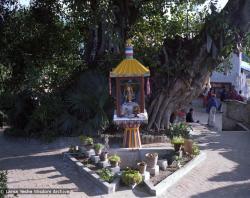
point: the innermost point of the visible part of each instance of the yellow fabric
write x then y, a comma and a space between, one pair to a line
130, 67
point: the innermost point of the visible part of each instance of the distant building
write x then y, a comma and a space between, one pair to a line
237, 76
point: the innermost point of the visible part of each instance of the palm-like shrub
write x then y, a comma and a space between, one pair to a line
88, 102
77, 110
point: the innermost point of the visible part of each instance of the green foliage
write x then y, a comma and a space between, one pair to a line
98, 146
177, 158
195, 149
114, 158
131, 177
177, 140
89, 140
3, 183
82, 138
89, 101
49, 115
106, 175
180, 129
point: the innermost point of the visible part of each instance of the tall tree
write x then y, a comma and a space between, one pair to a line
194, 59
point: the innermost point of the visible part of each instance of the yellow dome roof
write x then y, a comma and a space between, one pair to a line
130, 67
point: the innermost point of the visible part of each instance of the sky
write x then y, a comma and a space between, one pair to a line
222, 3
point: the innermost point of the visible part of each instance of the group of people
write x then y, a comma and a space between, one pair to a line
211, 102
214, 104
181, 115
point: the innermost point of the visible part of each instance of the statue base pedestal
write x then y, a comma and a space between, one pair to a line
131, 138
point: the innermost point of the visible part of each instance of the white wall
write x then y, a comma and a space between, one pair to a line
234, 76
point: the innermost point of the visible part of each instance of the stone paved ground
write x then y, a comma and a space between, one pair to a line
225, 172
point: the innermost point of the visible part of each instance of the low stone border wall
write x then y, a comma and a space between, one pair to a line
86, 172
176, 176
149, 139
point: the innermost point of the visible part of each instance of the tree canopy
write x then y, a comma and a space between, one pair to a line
49, 46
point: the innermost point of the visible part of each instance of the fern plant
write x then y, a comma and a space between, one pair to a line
89, 100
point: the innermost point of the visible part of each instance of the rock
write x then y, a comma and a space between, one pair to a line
103, 164
115, 170
146, 176
154, 171
89, 153
95, 159
163, 164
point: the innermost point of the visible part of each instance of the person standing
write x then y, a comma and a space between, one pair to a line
189, 116
205, 95
211, 109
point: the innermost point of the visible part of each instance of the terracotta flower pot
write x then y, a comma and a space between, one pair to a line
151, 159
142, 166
188, 145
104, 156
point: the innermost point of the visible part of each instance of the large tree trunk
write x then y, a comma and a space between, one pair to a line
193, 61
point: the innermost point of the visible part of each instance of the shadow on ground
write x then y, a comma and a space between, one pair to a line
29, 154
234, 146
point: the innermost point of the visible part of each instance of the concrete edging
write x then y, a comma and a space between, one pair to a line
176, 176
86, 172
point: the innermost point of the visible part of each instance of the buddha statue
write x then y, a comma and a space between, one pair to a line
129, 108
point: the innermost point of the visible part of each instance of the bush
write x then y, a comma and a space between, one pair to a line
131, 177
180, 129
106, 175
195, 149
114, 158
89, 140
98, 146
72, 110
177, 140
82, 138
3, 183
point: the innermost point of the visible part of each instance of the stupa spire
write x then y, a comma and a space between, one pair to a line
129, 49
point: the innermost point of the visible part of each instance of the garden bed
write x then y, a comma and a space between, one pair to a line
160, 183
90, 171
170, 170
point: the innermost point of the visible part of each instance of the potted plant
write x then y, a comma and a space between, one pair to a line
106, 174
151, 159
131, 177
195, 149
181, 129
114, 160
98, 148
177, 141
82, 139
89, 143
142, 166
104, 156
